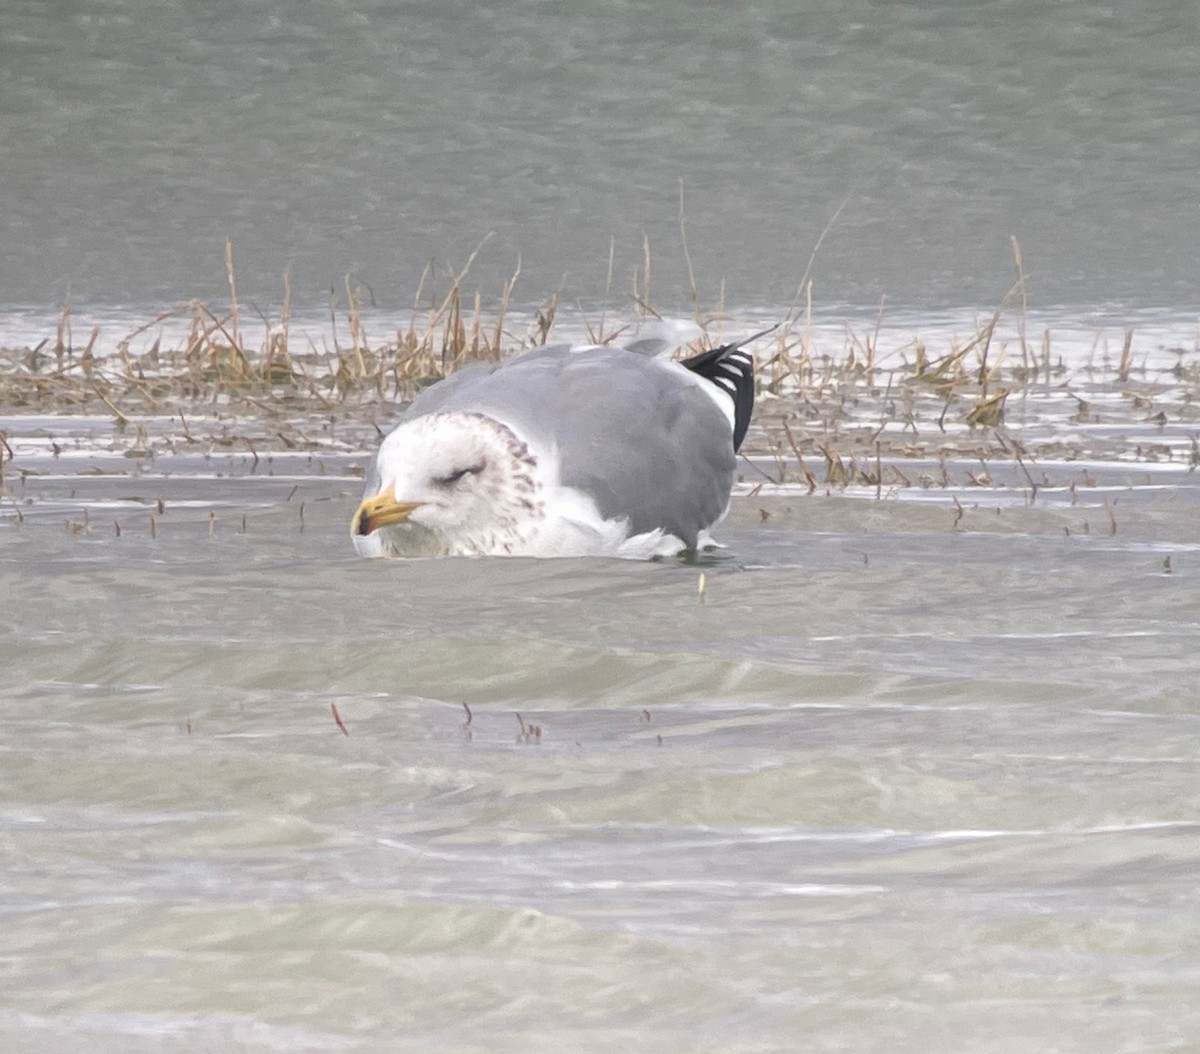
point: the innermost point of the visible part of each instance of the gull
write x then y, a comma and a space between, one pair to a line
563, 451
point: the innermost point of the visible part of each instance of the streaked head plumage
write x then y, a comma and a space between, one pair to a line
450, 482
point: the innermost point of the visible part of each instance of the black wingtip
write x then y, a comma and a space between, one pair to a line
731, 370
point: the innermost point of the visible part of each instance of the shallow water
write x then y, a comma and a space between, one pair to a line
913, 776
918, 774
366, 138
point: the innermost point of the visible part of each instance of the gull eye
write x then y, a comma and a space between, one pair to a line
454, 477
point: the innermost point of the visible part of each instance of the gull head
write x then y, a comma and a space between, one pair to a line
450, 483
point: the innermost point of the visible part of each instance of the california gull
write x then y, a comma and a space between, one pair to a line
562, 452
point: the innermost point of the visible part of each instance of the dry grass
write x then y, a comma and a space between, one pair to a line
218, 364
832, 414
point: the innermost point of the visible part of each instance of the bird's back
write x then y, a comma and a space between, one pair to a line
641, 437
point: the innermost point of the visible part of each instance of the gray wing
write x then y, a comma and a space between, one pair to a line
463, 383
641, 437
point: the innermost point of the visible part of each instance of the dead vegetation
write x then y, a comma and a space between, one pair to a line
859, 409
219, 364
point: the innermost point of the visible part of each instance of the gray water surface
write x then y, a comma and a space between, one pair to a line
366, 138
911, 777
920, 772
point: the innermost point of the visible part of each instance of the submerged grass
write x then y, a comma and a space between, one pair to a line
832, 412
